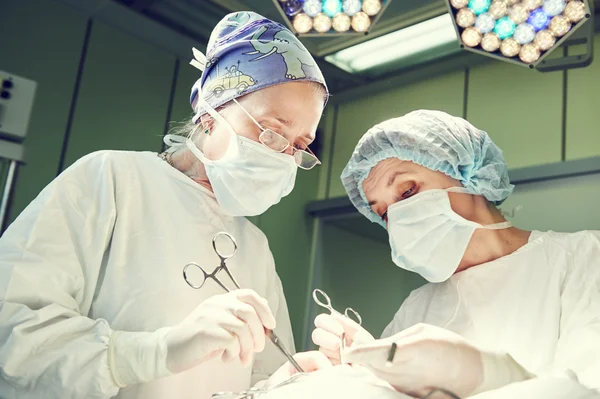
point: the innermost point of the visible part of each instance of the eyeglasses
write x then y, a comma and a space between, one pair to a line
305, 159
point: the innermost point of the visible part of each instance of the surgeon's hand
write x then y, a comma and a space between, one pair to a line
229, 326
430, 357
309, 361
328, 334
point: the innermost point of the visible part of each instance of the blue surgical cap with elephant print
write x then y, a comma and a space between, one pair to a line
247, 52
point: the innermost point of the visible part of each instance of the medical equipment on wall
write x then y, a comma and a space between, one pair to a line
223, 266
16, 101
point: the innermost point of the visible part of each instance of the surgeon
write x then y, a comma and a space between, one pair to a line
502, 305
92, 299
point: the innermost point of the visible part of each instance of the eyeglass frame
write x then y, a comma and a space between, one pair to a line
289, 145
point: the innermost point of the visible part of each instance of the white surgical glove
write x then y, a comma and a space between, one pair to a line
309, 361
230, 326
328, 334
430, 357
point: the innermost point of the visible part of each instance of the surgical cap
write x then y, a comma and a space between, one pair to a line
247, 52
437, 141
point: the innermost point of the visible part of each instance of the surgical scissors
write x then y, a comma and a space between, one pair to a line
326, 303
223, 266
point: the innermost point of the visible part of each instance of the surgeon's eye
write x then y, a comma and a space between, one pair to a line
409, 193
384, 216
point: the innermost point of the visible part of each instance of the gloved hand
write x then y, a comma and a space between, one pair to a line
328, 334
429, 357
309, 361
230, 326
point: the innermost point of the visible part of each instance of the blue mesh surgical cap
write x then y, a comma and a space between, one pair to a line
247, 52
437, 141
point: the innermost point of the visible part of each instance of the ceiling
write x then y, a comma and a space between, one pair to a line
196, 18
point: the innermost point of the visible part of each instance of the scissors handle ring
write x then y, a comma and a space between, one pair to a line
214, 244
325, 302
185, 277
349, 312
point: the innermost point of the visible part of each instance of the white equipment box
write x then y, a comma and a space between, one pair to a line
16, 101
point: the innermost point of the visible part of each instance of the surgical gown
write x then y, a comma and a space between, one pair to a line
541, 304
102, 248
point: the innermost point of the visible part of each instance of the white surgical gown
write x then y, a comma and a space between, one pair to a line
102, 248
540, 304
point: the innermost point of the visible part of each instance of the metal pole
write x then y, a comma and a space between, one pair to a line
7, 190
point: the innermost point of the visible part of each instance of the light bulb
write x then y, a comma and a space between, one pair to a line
518, 13
498, 9
341, 22
505, 27
458, 4
529, 53
559, 25
544, 39
575, 11
471, 37
302, 23
554, 7
485, 23
532, 4
524, 33
332, 7
312, 7
321, 23
351, 7
465, 18
538, 19
479, 6
490, 42
510, 47
361, 22
371, 7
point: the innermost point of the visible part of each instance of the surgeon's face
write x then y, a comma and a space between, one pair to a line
291, 109
394, 180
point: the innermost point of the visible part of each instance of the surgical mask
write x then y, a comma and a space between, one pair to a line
427, 237
249, 178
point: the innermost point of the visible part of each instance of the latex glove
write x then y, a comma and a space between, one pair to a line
309, 361
430, 357
229, 326
328, 334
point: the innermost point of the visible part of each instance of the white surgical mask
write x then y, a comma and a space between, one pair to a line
249, 178
427, 237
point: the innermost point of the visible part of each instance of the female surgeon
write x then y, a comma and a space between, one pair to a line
92, 299
503, 305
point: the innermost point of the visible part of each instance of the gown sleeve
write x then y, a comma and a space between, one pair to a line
578, 348
50, 260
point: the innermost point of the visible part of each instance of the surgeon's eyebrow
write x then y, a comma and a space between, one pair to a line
391, 180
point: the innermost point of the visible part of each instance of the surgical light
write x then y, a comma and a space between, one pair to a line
522, 31
332, 17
